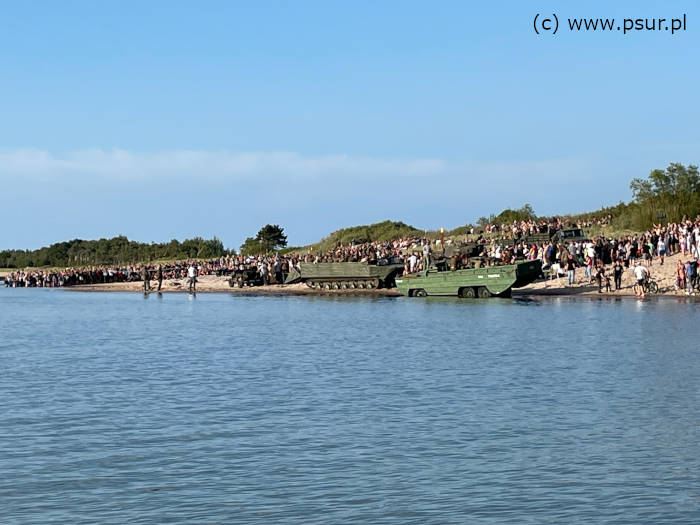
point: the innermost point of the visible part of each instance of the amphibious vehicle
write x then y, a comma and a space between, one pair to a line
481, 282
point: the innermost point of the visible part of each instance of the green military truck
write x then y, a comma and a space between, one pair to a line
558, 236
345, 275
472, 282
570, 234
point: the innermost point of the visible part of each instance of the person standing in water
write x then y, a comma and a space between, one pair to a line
146, 279
192, 275
159, 276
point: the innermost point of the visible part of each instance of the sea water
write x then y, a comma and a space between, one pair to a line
120, 408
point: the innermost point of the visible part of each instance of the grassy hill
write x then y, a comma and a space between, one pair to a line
380, 231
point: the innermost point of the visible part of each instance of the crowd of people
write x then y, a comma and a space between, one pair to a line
177, 270
524, 228
268, 269
602, 259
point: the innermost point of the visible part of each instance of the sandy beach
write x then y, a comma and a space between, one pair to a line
213, 284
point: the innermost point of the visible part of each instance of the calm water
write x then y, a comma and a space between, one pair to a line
225, 409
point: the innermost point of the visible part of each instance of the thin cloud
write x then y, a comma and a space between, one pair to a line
476, 187
233, 166
123, 164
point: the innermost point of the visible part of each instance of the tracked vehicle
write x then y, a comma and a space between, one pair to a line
471, 282
345, 275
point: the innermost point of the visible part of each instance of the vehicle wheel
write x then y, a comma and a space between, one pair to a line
653, 287
353, 284
420, 293
326, 286
335, 286
467, 292
484, 292
361, 284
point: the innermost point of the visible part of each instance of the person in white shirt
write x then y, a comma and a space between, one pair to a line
590, 250
412, 260
661, 249
192, 278
640, 273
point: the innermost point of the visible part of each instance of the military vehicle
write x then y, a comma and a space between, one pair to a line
535, 238
470, 249
570, 234
472, 282
565, 235
245, 277
345, 275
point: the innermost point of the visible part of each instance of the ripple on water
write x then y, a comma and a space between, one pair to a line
327, 410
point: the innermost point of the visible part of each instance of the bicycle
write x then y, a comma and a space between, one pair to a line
650, 286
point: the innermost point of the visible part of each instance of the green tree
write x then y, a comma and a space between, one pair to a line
668, 194
525, 213
271, 237
251, 246
110, 251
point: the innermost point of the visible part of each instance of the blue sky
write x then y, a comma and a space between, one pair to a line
163, 120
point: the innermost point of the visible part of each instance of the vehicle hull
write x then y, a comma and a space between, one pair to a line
345, 275
473, 282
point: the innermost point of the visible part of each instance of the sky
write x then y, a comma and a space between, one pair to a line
162, 120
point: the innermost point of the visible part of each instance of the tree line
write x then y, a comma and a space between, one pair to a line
666, 195
117, 250
120, 250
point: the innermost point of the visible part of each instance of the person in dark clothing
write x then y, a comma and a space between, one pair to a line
571, 271
159, 276
146, 279
264, 271
277, 267
617, 273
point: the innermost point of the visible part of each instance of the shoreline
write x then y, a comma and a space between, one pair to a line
271, 290
535, 290
663, 274
278, 291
